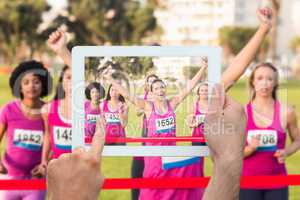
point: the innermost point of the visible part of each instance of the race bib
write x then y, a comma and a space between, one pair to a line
28, 139
112, 118
62, 137
164, 125
175, 162
92, 118
268, 139
200, 118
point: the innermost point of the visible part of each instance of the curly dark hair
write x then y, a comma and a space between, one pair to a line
30, 67
96, 85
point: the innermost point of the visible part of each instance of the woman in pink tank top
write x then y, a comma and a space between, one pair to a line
58, 119
161, 122
57, 113
137, 167
94, 92
267, 119
160, 107
22, 122
115, 115
196, 117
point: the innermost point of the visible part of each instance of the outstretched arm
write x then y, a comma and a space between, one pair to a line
190, 85
57, 41
123, 111
247, 54
140, 103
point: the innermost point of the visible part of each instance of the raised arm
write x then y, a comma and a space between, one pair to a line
123, 111
46, 142
247, 54
57, 41
190, 85
190, 118
140, 103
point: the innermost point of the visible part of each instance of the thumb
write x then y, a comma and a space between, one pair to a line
217, 99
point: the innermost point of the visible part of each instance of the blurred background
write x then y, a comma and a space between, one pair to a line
26, 24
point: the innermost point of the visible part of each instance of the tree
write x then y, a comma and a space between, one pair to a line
295, 64
295, 44
190, 71
19, 21
129, 66
118, 22
235, 38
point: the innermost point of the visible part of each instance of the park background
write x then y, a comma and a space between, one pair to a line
25, 26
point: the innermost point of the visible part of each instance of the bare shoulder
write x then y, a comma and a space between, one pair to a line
291, 114
45, 108
148, 105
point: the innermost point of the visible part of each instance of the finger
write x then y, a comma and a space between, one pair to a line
279, 159
79, 150
277, 153
204, 60
217, 99
60, 31
51, 37
34, 170
98, 141
51, 166
57, 34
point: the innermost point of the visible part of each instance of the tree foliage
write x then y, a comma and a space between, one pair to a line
19, 22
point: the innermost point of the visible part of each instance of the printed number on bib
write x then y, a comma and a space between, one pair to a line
92, 118
28, 139
62, 137
164, 125
268, 139
112, 118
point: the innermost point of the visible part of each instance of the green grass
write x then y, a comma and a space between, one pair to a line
120, 167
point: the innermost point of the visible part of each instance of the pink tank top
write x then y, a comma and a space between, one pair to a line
113, 127
91, 117
164, 125
161, 125
199, 130
60, 132
262, 162
24, 138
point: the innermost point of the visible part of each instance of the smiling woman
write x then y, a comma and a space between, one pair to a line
22, 122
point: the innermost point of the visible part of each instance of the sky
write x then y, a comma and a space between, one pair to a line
57, 4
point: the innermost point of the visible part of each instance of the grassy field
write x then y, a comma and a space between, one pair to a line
120, 167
